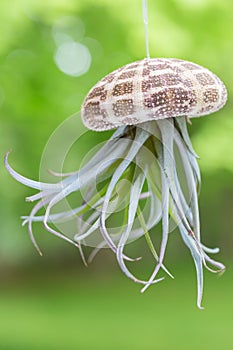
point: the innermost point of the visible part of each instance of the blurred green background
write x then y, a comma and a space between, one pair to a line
54, 302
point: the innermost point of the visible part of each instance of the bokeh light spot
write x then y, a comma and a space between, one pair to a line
73, 58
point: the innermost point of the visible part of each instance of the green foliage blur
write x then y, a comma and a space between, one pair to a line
54, 302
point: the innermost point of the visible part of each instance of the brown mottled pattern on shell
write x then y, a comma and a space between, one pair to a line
127, 75
98, 92
211, 95
205, 79
152, 89
123, 88
123, 108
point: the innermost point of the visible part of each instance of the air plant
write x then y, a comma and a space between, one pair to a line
149, 103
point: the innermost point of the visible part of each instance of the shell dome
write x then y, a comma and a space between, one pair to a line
151, 89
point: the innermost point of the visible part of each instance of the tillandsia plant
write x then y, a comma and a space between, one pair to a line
149, 103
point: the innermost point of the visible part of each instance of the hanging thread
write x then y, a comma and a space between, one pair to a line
145, 20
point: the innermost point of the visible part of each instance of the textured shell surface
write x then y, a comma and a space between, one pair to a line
151, 89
